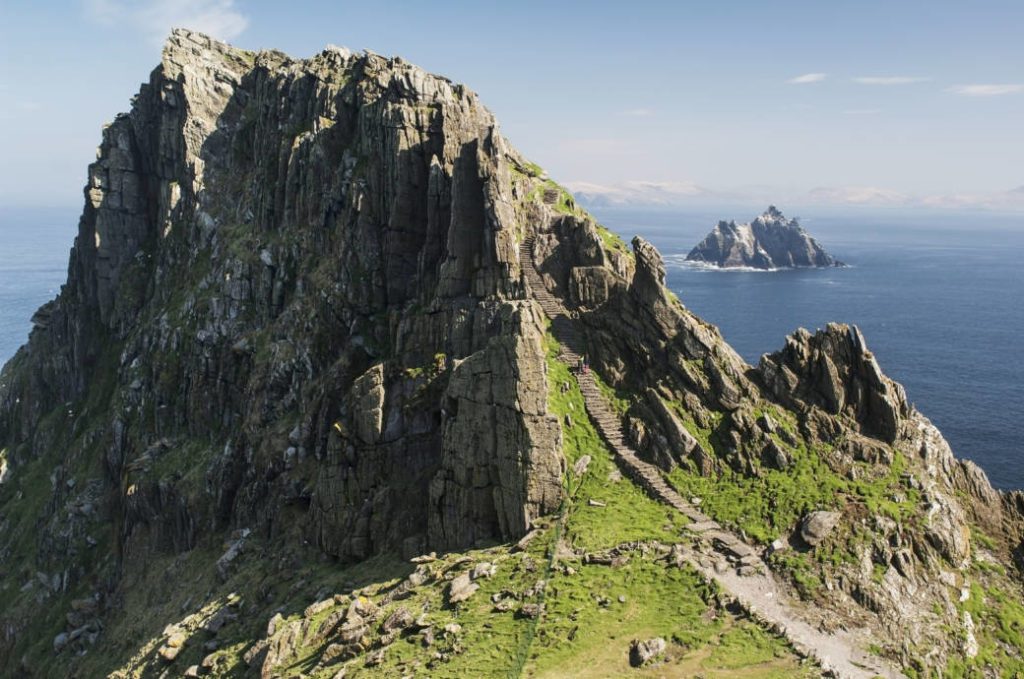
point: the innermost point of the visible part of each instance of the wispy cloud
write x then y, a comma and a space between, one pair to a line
991, 90
639, 112
687, 193
889, 80
637, 192
807, 78
855, 195
155, 18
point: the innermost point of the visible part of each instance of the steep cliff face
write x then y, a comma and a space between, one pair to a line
296, 343
769, 242
295, 288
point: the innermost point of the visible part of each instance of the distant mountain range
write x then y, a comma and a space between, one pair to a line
677, 194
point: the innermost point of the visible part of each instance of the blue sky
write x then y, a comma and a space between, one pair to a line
889, 103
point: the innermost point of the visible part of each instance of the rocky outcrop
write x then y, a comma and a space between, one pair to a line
501, 462
645, 652
817, 526
834, 370
769, 242
300, 278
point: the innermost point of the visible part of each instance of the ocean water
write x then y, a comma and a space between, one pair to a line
34, 248
940, 299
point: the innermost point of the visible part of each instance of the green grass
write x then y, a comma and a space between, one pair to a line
630, 513
430, 370
673, 603
564, 202
767, 504
183, 463
998, 614
612, 241
746, 645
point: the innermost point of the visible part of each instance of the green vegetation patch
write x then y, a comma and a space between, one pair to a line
997, 612
595, 611
628, 513
767, 504
612, 241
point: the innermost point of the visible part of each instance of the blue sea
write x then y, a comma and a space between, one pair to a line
939, 297
34, 249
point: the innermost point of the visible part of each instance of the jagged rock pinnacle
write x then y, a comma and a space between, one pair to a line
769, 242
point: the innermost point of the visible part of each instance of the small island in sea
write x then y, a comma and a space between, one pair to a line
769, 242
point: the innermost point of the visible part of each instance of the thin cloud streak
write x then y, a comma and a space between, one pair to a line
889, 80
155, 18
989, 90
687, 193
807, 78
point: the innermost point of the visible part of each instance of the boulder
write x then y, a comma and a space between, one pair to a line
60, 641
483, 570
644, 652
817, 526
531, 611
461, 588
399, 620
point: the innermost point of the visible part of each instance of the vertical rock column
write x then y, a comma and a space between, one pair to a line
501, 463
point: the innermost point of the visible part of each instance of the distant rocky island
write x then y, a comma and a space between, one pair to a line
769, 242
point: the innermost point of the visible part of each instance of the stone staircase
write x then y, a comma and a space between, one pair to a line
608, 422
718, 553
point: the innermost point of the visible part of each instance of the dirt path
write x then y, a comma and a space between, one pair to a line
720, 555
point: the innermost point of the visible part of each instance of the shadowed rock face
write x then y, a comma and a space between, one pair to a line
311, 265
769, 242
295, 316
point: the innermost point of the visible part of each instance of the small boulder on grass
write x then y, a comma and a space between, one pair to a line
644, 652
531, 611
817, 526
461, 588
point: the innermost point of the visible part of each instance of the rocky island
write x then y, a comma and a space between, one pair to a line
308, 405
769, 242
